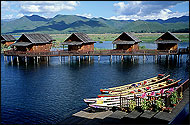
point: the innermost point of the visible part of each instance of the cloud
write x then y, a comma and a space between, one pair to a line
47, 6
19, 15
87, 15
8, 16
143, 8
146, 10
163, 14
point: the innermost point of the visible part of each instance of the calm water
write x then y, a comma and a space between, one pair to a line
48, 93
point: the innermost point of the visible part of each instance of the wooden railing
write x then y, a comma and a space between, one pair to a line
78, 53
179, 90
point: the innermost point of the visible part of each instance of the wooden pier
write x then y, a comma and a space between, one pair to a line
178, 114
156, 54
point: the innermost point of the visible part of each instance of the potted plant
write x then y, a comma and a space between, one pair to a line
159, 104
132, 105
146, 104
174, 98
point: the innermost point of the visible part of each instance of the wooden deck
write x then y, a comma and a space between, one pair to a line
178, 114
91, 53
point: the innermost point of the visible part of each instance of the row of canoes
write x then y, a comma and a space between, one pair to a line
111, 97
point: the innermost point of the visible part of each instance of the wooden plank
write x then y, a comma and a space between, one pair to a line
133, 115
148, 114
118, 115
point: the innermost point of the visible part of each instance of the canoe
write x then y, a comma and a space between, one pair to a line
142, 89
106, 104
159, 78
116, 98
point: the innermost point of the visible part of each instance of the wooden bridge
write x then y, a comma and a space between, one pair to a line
121, 53
91, 53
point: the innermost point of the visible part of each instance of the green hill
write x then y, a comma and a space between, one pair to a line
73, 23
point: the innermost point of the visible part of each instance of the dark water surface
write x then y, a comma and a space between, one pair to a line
48, 93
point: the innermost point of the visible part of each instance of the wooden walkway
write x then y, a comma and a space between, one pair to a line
177, 115
93, 53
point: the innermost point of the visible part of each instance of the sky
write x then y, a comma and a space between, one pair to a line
119, 10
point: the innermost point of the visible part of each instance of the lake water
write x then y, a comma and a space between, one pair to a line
48, 93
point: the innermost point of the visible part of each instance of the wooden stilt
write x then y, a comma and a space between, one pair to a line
110, 58
99, 58
25, 59
69, 58
11, 59
37, 59
89, 58
122, 58
17, 59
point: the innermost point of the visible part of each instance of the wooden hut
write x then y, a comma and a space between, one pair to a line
79, 42
127, 41
7, 40
34, 42
167, 41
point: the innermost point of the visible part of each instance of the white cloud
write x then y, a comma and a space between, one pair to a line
8, 16
19, 15
163, 14
146, 10
87, 15
47, 6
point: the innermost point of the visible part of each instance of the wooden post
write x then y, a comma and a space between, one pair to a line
122, 57
11, 59
25, 59
37, 59
89, 58
5, 58
59, 58
79, 59
34, 59
99, 58
47, 59
110, 58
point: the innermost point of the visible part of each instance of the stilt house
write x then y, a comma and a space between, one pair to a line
167, 41
79, 42
34, 42
7, 40
127, 41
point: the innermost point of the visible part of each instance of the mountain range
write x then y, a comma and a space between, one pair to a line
73, 23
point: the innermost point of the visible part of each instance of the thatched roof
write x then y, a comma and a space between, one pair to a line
33, 38
126, 38
77, 39
7, 38
167, 37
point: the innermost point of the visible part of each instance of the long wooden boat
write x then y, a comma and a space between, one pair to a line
159, 78
142, 89
109, 102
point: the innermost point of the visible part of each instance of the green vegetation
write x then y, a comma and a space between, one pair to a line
174, 98
132, 105
66, 24
159, 104
146, 104
142, 47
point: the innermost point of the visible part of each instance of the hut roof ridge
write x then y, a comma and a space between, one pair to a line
39, 37
83, 37
131, 35
167, 40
